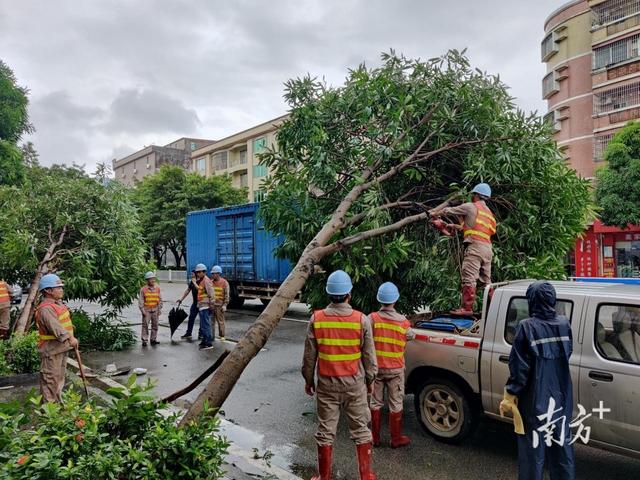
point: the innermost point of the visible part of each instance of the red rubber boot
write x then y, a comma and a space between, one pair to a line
376, 421
364, 461
325, 461
468, 297
395, 425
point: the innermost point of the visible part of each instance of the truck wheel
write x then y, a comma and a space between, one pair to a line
445, 411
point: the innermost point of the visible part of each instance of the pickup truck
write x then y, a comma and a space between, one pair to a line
458, 376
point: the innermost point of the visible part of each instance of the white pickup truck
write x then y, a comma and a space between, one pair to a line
456, 377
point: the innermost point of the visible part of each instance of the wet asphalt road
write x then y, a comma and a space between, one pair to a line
272, 412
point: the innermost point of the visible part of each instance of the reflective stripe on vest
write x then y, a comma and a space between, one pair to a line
390, 339
218, 290
4, 293
151, 299
485, 226
64, 318
202, 290
339, 340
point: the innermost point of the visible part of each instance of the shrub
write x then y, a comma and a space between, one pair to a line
101, 332
20, 354
77, 440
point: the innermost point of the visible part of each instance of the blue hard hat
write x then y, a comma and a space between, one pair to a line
388, 293
201, 267
149, 275
339, 283
483, 189
216, 269
50, 280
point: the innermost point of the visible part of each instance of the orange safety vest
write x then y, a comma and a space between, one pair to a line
151, 297
339, 340
485, 226
4, 293
218, 289
390, 339
64, 317
202, 291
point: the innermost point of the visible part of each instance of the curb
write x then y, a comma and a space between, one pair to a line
237, 457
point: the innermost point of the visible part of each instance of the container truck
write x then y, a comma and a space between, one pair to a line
235, 238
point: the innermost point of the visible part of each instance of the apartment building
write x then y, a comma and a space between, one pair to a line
238, 156
147, 161
592, 88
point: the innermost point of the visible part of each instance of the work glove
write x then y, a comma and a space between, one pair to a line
224, 308
509, 404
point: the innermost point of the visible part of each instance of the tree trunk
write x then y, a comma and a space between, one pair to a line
176, 255
225, 378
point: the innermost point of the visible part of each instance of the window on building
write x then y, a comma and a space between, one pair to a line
219, 160
193, 146
259, 145
243, 157
259, 195
600, 143
244, 180
550, 85
616, 98
616, 52
201, 164
259, 171
617, 335
548, 47
613, 11
519, 310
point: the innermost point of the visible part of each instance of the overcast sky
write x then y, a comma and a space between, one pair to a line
108, 77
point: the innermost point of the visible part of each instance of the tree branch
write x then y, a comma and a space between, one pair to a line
388, 206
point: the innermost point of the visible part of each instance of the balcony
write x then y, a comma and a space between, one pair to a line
600, 143
617, 53
614, 13
616, 99
550, 85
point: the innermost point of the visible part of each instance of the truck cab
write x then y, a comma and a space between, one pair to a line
457, 377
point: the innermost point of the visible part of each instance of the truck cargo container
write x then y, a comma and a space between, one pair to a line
235, 238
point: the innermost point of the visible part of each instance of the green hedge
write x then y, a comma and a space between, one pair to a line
20, 354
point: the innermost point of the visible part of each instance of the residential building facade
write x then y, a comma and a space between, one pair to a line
592, 88
147, 161
238, 155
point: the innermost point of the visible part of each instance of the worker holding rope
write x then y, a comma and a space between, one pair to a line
478, 227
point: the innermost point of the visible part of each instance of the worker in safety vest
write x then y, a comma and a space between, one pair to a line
150, 303
206, 296
5, 307
55, 337
479, 226
221, 299
391, 331
340, 345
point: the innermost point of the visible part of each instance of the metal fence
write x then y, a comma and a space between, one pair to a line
612, 11
600, 143
616, 98
170, 276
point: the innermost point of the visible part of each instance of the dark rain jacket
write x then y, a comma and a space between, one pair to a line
539, 359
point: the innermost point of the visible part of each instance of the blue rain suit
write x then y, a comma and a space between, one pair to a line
539, 371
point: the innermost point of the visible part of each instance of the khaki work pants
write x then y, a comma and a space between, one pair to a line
151, 316
354, 404
4, 317
394, 382
218, 317
476, 265
52, 369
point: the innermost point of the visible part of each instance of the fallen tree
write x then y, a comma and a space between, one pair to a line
357, 167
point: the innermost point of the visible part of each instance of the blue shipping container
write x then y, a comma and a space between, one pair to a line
235, 239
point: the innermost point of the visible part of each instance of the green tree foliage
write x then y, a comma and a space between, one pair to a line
164, 199
63, 220
14, 122
463, 127
618, 183
129, 438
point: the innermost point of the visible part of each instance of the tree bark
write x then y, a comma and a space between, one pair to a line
23, 322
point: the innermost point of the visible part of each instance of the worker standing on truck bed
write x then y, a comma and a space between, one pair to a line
221, 299
539, 387
5, 308
391, 331
150, 304
55, 337
340, 343
478, 228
